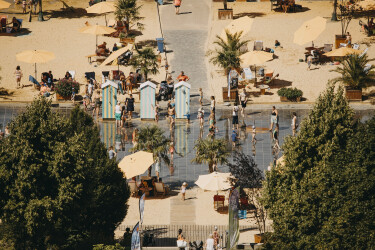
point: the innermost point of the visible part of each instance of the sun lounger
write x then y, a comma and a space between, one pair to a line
160, 188
364, 52
35, 82
355, 46
258, 45
327, 47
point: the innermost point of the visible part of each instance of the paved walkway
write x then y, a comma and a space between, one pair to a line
182, 212
185, 36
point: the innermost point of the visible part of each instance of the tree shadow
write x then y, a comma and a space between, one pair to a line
70, 13
147, 43
5, 94
187, 12
249, 14
297, 10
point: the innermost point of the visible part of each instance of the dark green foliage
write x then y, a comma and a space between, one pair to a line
212, 152
146, 60
355, 73
290, 93
227, 56
58, 187
64, 87
323, 195
129, 10
108, 247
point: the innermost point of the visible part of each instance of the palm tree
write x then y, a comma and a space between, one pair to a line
211, 151
152, 139
129, 11
354, 72
146, 60
228, 54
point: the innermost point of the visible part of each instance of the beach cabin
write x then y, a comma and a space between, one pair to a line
109, 97
182, 99
147, 100
108, 133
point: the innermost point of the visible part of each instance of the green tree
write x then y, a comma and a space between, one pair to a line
355, 73
152, 139
128, 10
57, 184
227, 55
212, 152
314, 198
146, 60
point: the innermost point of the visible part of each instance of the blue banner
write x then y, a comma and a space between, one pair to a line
142, 207
136, 239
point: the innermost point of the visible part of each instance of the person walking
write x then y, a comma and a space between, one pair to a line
210, 243
18, 74
294, 123
183, 190
181, 241
254, 133
118, 115
234, 138
274, 117
111, 153
96, 98
201, 116
177, 5
243, 100
213, 104
235, 115
309, 62
275, 135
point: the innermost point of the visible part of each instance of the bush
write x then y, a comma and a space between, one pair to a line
290, 93
64, 87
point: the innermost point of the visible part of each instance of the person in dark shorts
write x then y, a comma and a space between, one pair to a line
243, 100
177, 4
235, 115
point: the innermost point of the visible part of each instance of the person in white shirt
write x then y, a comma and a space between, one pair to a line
210, 243
235, 115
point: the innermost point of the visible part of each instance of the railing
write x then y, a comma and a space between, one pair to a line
166, 235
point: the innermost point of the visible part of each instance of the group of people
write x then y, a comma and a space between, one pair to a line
14, 24
212, 242
30, 4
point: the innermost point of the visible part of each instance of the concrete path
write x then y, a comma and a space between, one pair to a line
185, 36
182, 212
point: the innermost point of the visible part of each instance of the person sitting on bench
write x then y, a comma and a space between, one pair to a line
16, 25
102, 50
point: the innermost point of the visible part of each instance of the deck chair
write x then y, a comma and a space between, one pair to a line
20, 20
219, 201
35, 82
355, 46
327, 47
258, 45
248, 73
72, 73
367, 67
244, 49
160, 188
133, 188
364, 52
3, 23
343, 45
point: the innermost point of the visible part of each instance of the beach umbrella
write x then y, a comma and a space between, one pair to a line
255, 58
214, 181
116, 54
97, 30
4, 5
35, 56
136, 164
240, 24
310, 30
343, 51
102, 8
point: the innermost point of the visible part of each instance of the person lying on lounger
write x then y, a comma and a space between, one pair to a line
102, 49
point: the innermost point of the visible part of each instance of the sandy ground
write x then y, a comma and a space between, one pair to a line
269, 26
61, 35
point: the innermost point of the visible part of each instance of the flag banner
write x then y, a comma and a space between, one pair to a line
136, 239
142, 207
233, 232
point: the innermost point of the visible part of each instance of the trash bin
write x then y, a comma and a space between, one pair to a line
161, 2
160, 42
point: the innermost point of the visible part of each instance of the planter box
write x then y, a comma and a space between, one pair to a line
225, 14
258, 238
233, 95
339, 39
354, 94
63, 98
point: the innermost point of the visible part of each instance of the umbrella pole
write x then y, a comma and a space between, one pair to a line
105, 18
255, 73
35, 71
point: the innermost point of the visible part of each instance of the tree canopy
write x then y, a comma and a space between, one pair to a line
58, 188
322, 197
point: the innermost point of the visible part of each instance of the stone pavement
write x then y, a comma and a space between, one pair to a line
185, 36
182, 212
